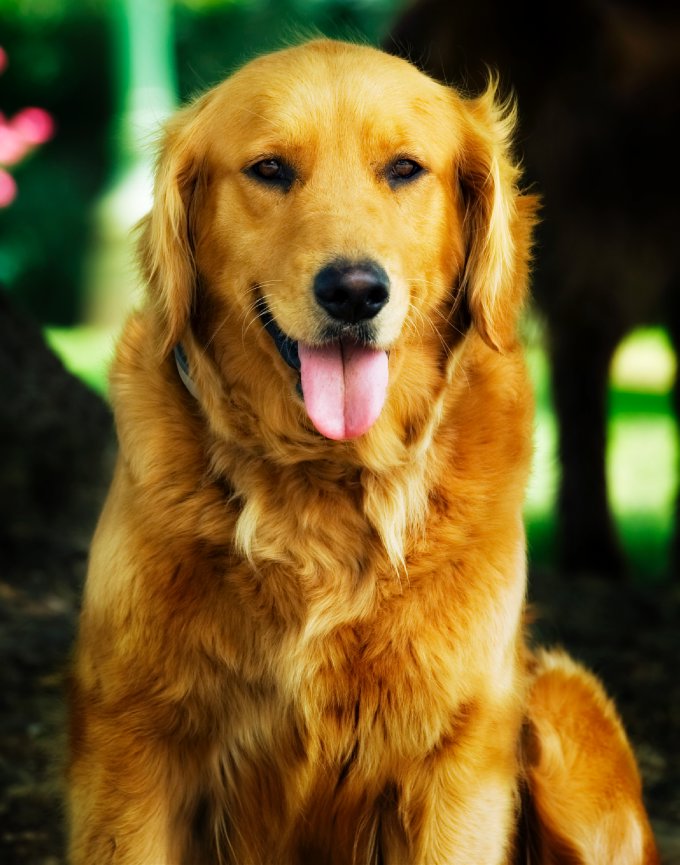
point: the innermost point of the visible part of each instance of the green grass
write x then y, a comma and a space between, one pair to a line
642, 449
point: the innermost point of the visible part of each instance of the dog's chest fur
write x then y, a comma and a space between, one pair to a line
317, 718
337, 660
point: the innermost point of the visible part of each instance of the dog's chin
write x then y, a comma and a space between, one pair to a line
343, 380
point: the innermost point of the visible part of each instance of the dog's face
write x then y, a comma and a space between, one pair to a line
339, 205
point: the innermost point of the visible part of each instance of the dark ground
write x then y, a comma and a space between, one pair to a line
57, 446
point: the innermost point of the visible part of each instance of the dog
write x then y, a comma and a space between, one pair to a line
302, 638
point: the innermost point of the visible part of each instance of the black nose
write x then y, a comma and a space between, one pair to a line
352, 292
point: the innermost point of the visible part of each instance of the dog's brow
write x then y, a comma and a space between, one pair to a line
267, 118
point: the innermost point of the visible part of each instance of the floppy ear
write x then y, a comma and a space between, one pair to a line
165, 247
498, 220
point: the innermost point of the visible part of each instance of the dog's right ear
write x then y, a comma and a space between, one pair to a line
165, 247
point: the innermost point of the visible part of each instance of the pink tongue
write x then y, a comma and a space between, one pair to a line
344, 387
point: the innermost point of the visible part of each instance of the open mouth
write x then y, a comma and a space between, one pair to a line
343, 382
287, 347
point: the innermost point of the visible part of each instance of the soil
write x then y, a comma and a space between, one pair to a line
57, 444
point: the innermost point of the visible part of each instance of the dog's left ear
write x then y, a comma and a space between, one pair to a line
498, 220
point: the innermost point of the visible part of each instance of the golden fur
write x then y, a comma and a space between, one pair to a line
299, 650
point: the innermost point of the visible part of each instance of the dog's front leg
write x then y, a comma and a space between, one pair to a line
129, 800
452, 813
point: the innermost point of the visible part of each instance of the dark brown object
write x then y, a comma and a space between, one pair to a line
56, 448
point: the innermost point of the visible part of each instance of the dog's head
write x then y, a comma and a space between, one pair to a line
330, 208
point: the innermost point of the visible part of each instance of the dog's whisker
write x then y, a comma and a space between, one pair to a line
213, 336
252, 317
425, 320
259, 285
255, 312
421, 323
447, 318
420, 280
447, 321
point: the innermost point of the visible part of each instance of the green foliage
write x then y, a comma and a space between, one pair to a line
63, 66
229, 34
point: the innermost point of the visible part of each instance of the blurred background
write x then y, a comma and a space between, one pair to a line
106, 74
85, 86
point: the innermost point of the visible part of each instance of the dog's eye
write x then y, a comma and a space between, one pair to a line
272, 171
268, 169
402, 170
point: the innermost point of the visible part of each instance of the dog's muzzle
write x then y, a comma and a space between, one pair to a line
343, 381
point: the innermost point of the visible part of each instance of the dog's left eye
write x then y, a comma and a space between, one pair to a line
402, 170
272, 171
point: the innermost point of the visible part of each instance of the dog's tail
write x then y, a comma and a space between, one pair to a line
583, 797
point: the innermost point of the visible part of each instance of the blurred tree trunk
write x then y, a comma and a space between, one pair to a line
146, 82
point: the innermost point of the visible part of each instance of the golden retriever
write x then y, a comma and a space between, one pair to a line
302, 636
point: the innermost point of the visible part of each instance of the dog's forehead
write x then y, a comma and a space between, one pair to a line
325, 88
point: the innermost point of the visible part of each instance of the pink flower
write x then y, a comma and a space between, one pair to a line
29, 128
34, 125
26, 130
8, 188
13, 148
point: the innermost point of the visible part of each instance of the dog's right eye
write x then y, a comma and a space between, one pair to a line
402, 171
273, 172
